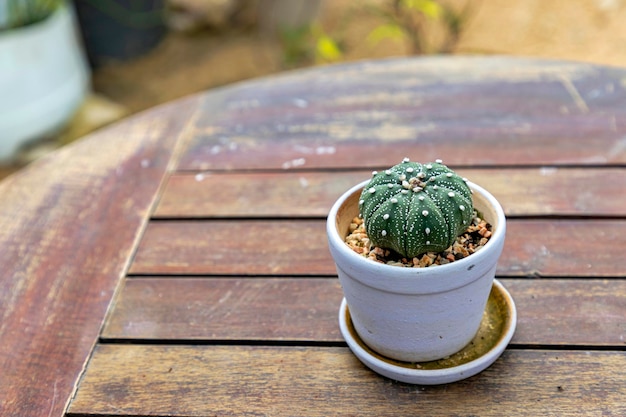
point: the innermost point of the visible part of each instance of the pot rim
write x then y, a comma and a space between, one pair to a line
434, 278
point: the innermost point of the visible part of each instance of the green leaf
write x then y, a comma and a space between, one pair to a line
430, 8
388, 31
327, 49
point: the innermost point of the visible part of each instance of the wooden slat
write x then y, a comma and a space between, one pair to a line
68, 224
269, 247
551, 312
241, 247
226, 309
133, 380
554, 191
512, 111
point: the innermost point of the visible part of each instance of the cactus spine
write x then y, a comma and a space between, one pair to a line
415, 208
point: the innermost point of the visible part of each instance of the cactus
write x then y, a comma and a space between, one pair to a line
415, 208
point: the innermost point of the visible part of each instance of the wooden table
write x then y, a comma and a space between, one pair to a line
175, 264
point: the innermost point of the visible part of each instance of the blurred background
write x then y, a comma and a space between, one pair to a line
68, 67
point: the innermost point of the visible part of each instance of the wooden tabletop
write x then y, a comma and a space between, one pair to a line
175, 264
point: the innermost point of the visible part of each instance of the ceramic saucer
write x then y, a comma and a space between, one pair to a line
495, 333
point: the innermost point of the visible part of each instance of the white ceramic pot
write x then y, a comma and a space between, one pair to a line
415, 314
43, 79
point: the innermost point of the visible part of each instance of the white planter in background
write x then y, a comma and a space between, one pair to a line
415, 314
43, 79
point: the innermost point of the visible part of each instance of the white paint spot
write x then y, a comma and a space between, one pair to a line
145, 163
299, 102
199, 177
547, 171
293, 163
304, 183
325, 150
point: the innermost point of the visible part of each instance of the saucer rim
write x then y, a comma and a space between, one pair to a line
434, 376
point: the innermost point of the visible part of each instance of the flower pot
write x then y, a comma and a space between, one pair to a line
415, 314
43, 79
119, 30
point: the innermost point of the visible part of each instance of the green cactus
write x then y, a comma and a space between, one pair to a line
415, 208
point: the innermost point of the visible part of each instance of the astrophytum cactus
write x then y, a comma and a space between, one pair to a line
415, 208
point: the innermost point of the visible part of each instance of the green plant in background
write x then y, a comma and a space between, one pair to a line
16, 13
427, 26
415, 208
308, 44
414, 20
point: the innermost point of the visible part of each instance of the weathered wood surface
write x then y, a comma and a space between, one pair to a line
279, 247
554, 191
321, 381
68, 224
561, 312
511, 111
237, 311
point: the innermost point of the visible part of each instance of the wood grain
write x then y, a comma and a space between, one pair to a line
279, 247
511, 111
68, 224
135, 380
557, 312
554, 191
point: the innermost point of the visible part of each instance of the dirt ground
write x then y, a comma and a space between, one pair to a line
581, 30
182, 64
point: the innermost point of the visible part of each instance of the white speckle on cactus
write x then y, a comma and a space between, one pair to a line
404, 191
409, 170
449, 175
406, 184
439, 161
451, 194
386, 216
429, 166
405, 160
374, 173
421, 198
417, 189
384, 233
388, 172
428, 242
390, 185
402, 177
427, 231
372, 190
435, 187
425, 213
361, 202
462, 207
394, 200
